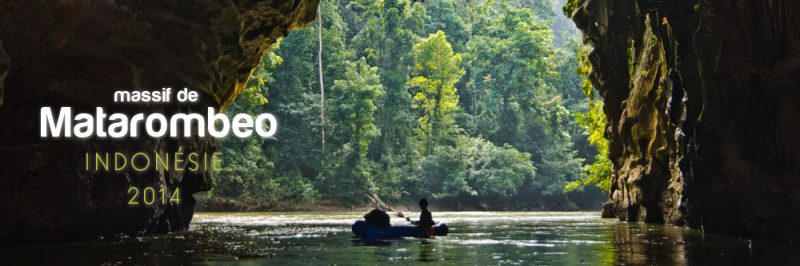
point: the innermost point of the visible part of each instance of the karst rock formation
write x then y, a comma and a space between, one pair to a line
703, 106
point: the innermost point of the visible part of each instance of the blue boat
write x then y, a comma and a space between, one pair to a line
366, 231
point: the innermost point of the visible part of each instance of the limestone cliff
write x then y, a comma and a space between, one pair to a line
76, 53
703, 103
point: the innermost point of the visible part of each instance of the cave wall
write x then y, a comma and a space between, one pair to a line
77, 53
703, 106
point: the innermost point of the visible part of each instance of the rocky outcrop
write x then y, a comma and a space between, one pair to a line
703, 106
77, 53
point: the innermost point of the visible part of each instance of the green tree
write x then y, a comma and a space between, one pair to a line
436, 70
247, 174
474, 170
593, 122
352, 109
516, 38
353, 104
519, 98
390, 29
444, 17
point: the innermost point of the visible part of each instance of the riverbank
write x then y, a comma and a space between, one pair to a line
228, 204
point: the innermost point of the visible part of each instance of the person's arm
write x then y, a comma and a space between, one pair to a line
411, 221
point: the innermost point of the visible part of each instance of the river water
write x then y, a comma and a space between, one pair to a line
476, 238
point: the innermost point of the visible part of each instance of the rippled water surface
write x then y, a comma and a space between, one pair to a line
550, 238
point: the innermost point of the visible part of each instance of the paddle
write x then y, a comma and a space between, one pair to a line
401, 215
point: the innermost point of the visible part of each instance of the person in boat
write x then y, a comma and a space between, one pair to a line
425, 218
378, 218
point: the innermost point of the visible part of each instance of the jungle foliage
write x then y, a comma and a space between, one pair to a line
473, 104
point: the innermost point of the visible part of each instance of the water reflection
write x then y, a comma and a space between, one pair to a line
641, 244
484, 238
431, 251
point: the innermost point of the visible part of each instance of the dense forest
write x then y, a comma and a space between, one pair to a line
476, 105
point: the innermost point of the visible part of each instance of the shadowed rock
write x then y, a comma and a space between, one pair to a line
77, 53
703, 103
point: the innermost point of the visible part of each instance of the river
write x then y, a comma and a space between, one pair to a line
483, 238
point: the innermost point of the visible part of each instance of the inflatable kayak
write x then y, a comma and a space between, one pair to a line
364, 230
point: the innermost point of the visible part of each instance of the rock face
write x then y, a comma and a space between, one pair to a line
77, 53
703, 103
